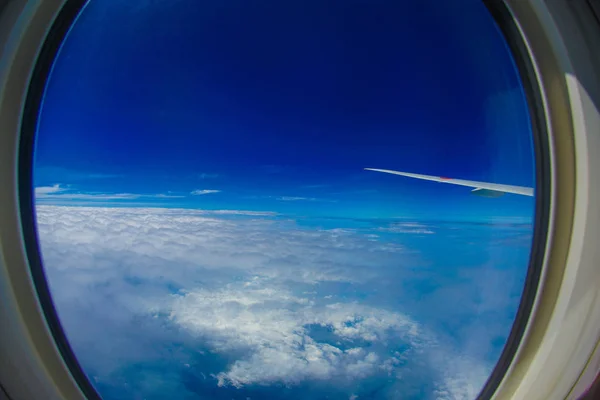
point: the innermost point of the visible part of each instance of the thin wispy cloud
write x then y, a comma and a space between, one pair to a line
95, 196
296, 198
302, 198
169, 195
58, 192
239, 212
291, 198
201, 192
408, 227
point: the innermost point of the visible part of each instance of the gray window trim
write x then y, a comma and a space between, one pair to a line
559, 354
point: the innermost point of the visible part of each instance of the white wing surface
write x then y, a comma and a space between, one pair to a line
480, 188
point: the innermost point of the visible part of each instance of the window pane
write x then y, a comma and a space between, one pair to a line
207, 225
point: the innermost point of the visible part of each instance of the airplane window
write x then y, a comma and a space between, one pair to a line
285, 199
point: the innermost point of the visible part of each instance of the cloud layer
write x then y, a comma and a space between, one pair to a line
243, 300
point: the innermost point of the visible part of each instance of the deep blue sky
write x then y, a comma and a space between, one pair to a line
281, 104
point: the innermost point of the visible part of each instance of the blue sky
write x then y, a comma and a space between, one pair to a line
280, 105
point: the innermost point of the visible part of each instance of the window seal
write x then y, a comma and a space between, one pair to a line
528, 78
26, 197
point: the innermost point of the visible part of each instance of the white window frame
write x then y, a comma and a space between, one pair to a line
558, 356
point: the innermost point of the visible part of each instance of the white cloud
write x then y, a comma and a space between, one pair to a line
272, 325
169, 195
92, 196
199, 192
408, 227
64, 194
274, 298
463, 386
294, 198
256, 246
300, 198
46, 190
240, 212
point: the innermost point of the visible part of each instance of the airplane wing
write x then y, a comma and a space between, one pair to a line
481, 188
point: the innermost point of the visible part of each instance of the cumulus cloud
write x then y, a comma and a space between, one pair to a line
200, 192
265, 301
273, 325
